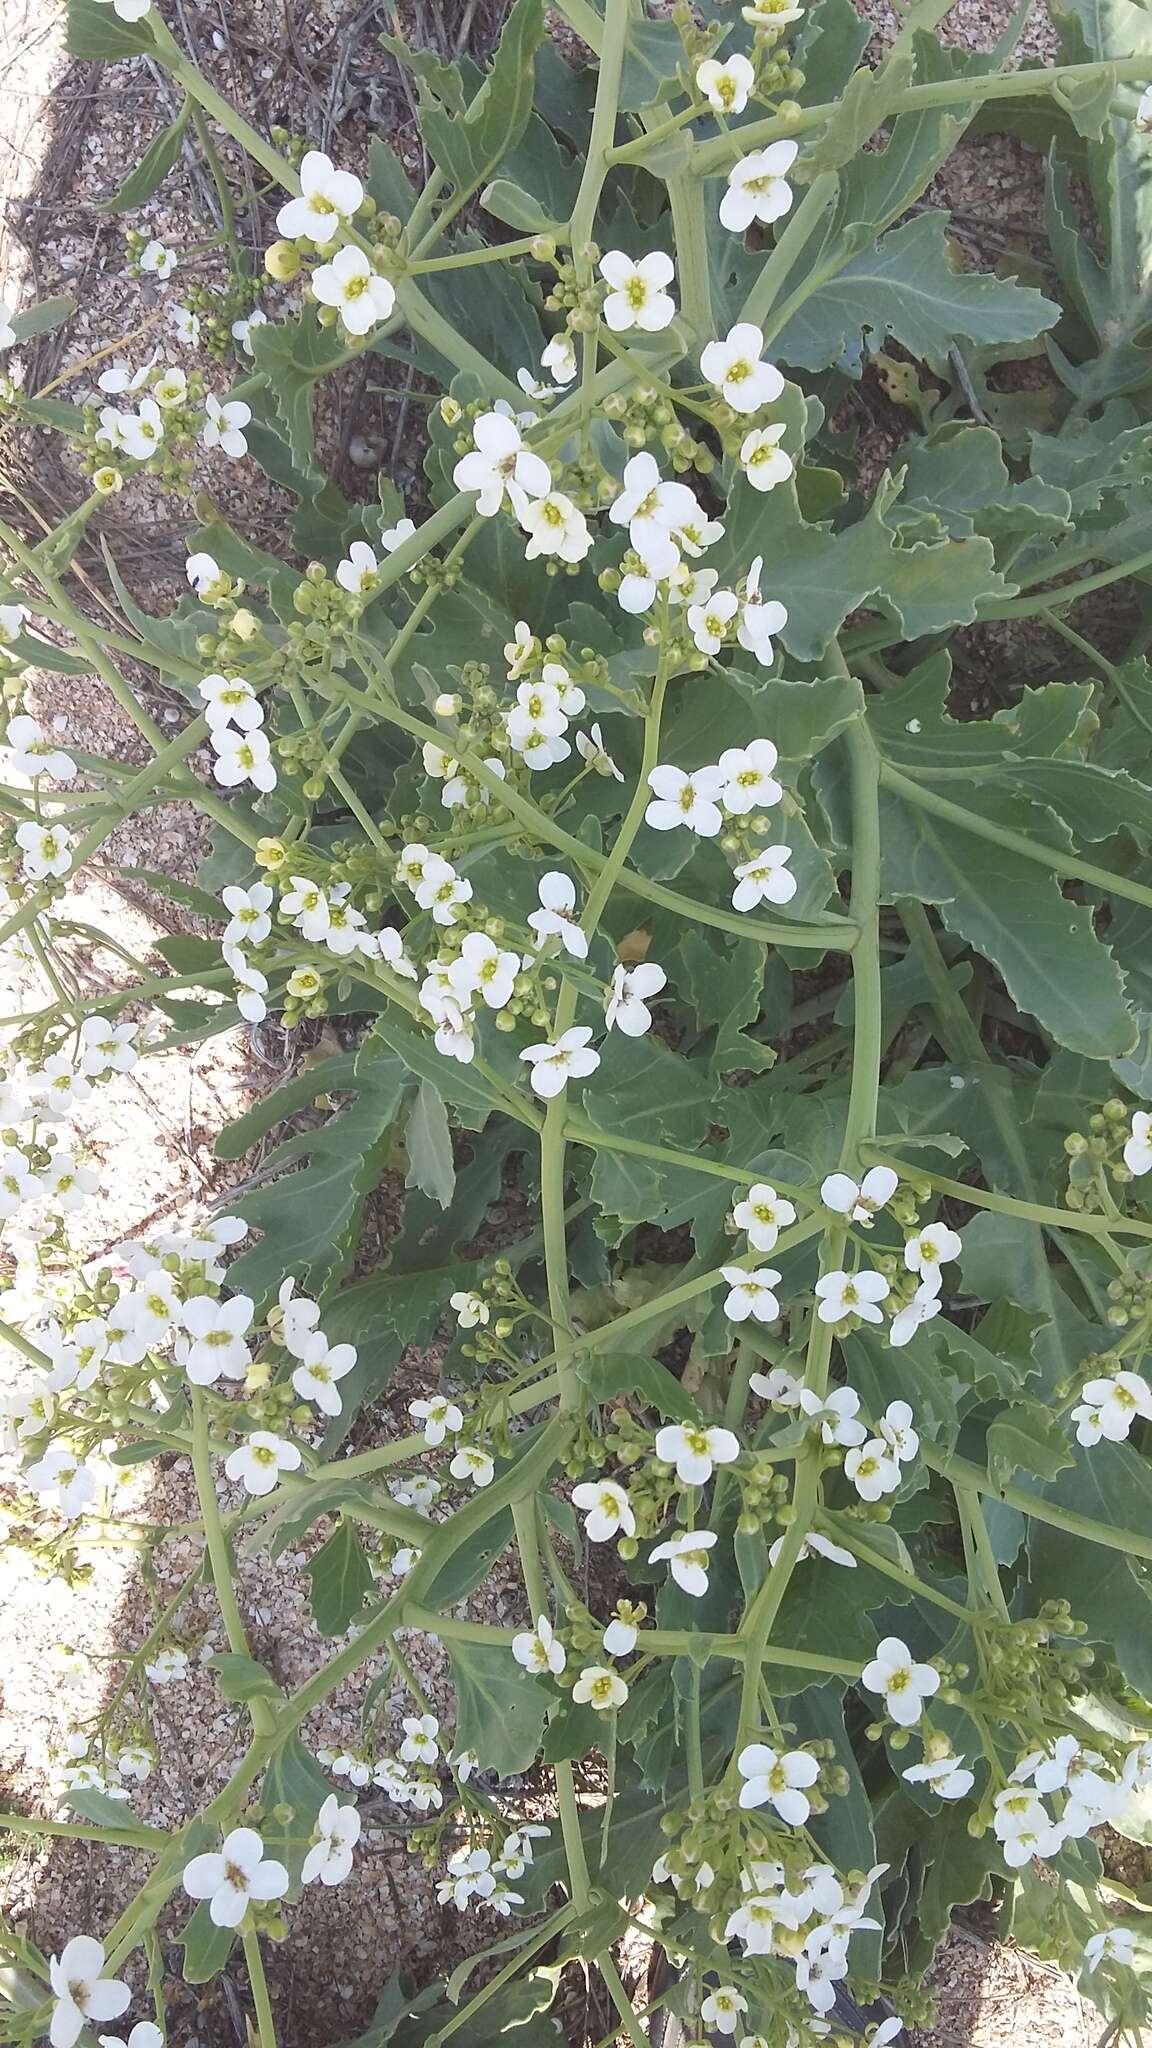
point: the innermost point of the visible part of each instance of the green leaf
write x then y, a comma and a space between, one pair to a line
332, 1076
41, 319
907, 288
500, 1706
100, 1807
469, 148
516, 208
293, 355
149, 174
1027, 1438
295, 1781
608, 1374
1109, 1591
95, 31
460, 1085
428, 1142
341, 1580
242, 1678
381, 1316
206, 1947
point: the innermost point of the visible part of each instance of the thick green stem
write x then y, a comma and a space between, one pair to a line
265, 2023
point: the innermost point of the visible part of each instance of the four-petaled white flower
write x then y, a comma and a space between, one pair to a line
736, 369
231, 1877
145, 2034
895, 1429
62, 1480
655, 510
836, 1413
760, 618
472, 1463
925, 1304
726, 86
600, 1688
931, 1248
722, 2009
360, 295
471, 1308
694, 1451
322, 1364
1114, 1944
538, 1650
555, 916
758, 187
947, 1776
45, 849
872, 1469
555, 526
762, 459
763, 1214
708, 623
606, 1508
30, 752
440, 1416
751, 1294
215, 1338
570, 1058
859, 1200
224, 425
107, 1047
230, 700
1110, 1406
626, 1008
357, 572
559, 359
337, 1833
203, 572
749, 782
258, 1462
636, 295
80, 1992
242, 757
766, 878
498, 463
904, 1683
484, 969
1138, 1146
840, 1295
778, 1779
327, 196
155, 260
680, 798
687, 1558
248, 909
420, 1744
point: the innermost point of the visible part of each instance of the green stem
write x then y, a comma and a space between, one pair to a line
261, 1710
265, 2023
1009, 1205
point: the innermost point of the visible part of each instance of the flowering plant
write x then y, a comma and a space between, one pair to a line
621, 804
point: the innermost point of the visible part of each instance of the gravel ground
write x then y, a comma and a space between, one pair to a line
67, 137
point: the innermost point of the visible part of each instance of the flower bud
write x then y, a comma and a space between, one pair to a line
282, 262
447, 705
543, 249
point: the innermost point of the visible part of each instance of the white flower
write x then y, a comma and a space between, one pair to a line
230, 701
471, 1309
242, 757
694, 1451
626, 1009
440, 889
619, 1638
498, 462
931, 1248
751, 1294
726, 86
836, 1413
872, 1469
307, 905
1110, 1407
155, 259
601, 1688
216, 1338
142, 432
555, 918
760, 618
440, 1416
322, 1365
653, 509
520, 652
781, 1387
859, 1200
925, 1304
258, 1462
30, 752
815, 1545
170, 388
203, 572
327, 196
357, 572
420, 1744
1138, 1147
361, 296
763, 1214
394, 537
777, 1780
145, 2034
766, 878
895, 1429
708, 622
136, 1762
1115, 1944
337, 1831
735, 368
749, 783
559, 359
687, 1558
948, 1777
224, 424
80, 1992
722, 2008
762, 459
45, 849
637, 297
482, 968
904, 1683
606, 1508
167, 1667
683, 799
538, 1650
63, 1481
472, 1463
184, 323
758, 187
241, 330
554, 1065
590, 747
1024, 1828
12, 618
555, 526
252, 986
247, 909
231, 1877
840, 1295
